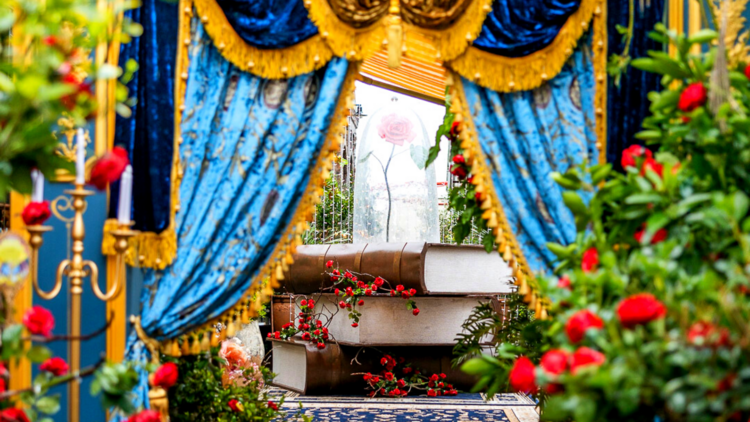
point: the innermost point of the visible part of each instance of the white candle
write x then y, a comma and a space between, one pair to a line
126, 194
37, 186
80, 158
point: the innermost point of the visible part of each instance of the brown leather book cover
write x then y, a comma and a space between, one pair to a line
429, 268
301, 367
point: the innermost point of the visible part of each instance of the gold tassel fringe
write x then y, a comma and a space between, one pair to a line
146, 249
296, 60
345, 41
268, 277
509, 74
494, 214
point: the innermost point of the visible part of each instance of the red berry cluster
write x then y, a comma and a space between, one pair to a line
387, 383
312, 329
351, 291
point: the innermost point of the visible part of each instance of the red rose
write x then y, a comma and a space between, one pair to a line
277, 335
388, 376
707, 334
590, 260
306, 336
459, 159
349, 291
368, 292
459, 171
640, 309
56, 366
36, 213
361, 302
747, 71
522, 377
329, 264
342, 304
393, 293
581, 321
3, 387
412, 292
375, 380
401, 383
13, 414
658, 237
109, 168
554, 362
431, 393
396, 129
564, 282
584, 357
415, 312
145, 416
348, 274
378, 281
455, 129
367, 376
233, 404
166, 375
405, 295
321, 345
303, 302
39, 321
318, 323
652, 164
50, 40
272, 405
399, 288
406, 370
631, 153
355, 325
692, 97
434, 377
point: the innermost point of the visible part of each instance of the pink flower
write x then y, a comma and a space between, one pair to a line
396, 129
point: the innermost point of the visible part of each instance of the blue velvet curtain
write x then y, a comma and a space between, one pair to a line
149, 134
249, 147
516, 28
627, 105
269, 24
527, 135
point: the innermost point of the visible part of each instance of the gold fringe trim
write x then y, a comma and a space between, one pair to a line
454, 40
493, 214
146, 249
298, 59
508, 74
345, 41
261, 290
600, 73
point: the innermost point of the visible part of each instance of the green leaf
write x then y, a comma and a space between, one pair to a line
648, 135
601, 173
667, 98
565, 181
418, 155
575, 203
702, 36
49, 405
476, 366
38, 354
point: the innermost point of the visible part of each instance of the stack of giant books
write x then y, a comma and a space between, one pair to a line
449, 281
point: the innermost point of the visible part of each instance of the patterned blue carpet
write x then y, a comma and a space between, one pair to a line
464, 407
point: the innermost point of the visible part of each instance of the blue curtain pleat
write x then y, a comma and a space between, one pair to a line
248, 148
269, 24
526, 136
516, 28
627, 105
149, 134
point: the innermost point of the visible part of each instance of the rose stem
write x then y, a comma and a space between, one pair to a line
388, 188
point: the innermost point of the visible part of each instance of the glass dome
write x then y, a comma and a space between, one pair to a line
395, 196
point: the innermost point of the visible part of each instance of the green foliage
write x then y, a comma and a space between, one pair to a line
333, 215
200, 395
46, 75
675, 226
443, 130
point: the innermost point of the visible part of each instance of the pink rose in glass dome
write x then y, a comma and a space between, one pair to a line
396, 129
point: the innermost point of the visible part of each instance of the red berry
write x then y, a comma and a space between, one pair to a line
269, 335
342, 304
337, 292
415, 311
355, 325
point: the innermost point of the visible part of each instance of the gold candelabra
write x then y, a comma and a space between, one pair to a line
76, 269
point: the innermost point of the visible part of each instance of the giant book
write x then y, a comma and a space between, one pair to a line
386, 321
301, 367
429, 268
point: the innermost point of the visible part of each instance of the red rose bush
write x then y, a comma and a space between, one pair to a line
650, 306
